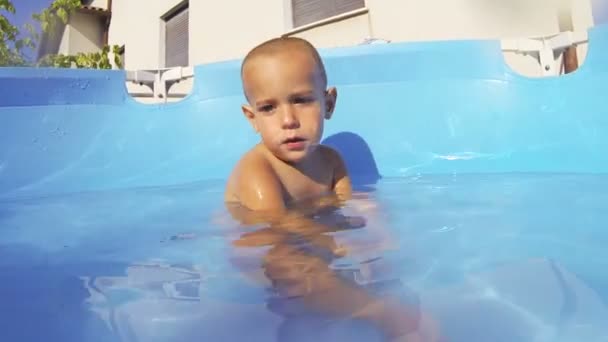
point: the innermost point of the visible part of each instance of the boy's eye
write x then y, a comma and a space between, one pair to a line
266, 108
303, 99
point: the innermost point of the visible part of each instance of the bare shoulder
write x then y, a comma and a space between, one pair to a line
252, 161
334, 157
253, 179
341, 181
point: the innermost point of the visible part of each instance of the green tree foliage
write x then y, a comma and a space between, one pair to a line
58, 13
11, 46
95, 60
59, 10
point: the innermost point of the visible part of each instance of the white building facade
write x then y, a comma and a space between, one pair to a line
160, 34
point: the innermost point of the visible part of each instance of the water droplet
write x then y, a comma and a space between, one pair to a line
444, 229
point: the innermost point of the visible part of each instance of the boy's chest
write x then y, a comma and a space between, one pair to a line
299, 186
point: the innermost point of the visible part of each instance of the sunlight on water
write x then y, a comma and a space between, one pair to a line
471, 257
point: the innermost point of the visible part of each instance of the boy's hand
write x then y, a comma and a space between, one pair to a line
338, 222
299, 268
428, 331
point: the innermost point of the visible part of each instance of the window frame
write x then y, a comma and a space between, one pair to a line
290, 16
173, 12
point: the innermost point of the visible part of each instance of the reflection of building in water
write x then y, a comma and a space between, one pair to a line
535, 299
184, 300
112, 297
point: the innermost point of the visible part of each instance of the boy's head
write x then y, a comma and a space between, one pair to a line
285, 84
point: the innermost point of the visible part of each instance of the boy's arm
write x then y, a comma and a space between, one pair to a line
261, 201
342, 184
261, 190
262, 196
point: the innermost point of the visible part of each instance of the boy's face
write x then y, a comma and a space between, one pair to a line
287, 102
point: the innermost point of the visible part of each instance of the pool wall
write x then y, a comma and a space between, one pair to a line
403, 109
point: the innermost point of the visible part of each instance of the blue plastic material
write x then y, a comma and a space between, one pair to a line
412, 108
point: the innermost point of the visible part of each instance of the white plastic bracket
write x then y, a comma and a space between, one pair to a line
160, 80
372, 40
546, 47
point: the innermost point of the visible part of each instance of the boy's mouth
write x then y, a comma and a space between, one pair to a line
295, 143
293, 140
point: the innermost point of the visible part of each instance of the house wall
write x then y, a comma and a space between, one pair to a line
64, 44
459, 19
85, 33
137, 24
465, 19
228, 29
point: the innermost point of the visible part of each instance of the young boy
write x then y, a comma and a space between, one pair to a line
285, 84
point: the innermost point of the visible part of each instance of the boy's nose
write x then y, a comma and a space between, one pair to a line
290, 120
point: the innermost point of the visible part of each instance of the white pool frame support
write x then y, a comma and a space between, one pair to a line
161, 80
546, 48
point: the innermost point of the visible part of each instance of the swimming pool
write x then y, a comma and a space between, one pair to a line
490, 192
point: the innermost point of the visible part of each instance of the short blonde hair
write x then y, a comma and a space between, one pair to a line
276, 45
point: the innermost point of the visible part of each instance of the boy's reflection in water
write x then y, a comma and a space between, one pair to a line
311, 295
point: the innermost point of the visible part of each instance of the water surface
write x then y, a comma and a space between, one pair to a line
509, 257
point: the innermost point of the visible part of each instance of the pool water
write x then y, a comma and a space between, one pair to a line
504, 257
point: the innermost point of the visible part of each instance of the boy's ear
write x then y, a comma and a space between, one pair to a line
331, 95
250, 116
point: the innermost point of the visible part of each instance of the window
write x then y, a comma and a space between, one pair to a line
308, 11
176, 36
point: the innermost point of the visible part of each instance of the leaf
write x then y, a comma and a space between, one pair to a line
10, 46
63, 14
7, 6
